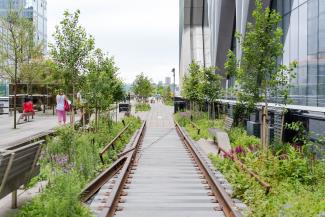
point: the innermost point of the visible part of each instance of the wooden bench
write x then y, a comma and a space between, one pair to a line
17, 167
25, 116
220, 137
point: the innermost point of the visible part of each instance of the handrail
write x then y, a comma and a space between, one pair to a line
111, 143
266, 185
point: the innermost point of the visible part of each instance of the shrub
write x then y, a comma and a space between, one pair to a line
142, 107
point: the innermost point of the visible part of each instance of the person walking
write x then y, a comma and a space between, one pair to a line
62, 107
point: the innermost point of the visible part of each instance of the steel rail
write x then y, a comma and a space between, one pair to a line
111, 143
113, 200
226, 203
100, 180
122, 166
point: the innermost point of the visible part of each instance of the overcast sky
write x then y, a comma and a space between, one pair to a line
142, 35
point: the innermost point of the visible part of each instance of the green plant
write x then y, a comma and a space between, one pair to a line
296, 190
142, 107
142, 87
301, 136
69, 161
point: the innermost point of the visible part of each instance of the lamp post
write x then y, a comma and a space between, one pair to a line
173, 71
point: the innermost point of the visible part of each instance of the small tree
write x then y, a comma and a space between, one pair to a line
193, 86
142, 87
259, 75
212, 87
101, 86
17, 47
71, 50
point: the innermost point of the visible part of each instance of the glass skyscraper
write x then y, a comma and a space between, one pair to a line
35, 10
304, 41
207, 31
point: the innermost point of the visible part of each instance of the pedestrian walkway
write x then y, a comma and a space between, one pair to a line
40, 123
166, 182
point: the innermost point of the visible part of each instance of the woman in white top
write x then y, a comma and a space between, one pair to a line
60, 110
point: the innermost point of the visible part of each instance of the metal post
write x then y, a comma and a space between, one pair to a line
173, 71
14, 199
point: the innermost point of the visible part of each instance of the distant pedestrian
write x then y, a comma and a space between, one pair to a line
62, 106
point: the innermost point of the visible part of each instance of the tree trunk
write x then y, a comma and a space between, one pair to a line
96, 119
265, 136
72, 108
213, 112
15, 105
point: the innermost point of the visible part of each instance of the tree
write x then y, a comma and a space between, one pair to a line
142, 87
259, 75
193, 85
71, 50
212, 86
101, 87
17, 47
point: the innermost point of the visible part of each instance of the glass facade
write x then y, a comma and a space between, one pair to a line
36, 10
303, 26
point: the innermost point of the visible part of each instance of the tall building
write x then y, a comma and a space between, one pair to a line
167, 81
207, 29
35, 10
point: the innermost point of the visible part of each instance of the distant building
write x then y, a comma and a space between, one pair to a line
167, 81
160, 83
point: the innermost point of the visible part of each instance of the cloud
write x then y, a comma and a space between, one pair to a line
142, 35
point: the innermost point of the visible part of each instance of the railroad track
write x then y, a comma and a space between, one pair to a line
161, 173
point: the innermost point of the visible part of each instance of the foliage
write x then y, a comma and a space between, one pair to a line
212, 84
142, 87
296, 189
71, 49
240, 113
101, 87
202, 122
301, 136
69, 162
238, 137
192, 88
142, 107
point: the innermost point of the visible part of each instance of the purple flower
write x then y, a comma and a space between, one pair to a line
239, 150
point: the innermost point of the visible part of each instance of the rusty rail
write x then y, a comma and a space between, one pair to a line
100, 180
113, 200
226, 203
112, 142
123, 166
264, 184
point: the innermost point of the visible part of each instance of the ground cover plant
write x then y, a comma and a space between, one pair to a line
298, 188
297, 183
69, 161
200, 121
142, 107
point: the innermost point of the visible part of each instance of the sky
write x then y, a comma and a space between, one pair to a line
142, 35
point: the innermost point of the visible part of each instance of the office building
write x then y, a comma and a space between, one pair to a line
207, 29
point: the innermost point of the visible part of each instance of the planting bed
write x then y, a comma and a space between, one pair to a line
297, 182
69, 161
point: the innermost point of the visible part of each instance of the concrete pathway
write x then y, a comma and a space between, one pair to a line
41, 122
